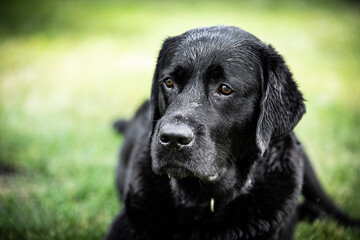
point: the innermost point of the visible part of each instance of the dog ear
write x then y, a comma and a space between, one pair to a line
282, 104
165, 55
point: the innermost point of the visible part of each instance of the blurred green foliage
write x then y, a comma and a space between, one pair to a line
68, 68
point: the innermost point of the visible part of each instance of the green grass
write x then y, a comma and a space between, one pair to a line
68, 68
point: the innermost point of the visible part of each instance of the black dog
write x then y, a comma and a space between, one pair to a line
214, 155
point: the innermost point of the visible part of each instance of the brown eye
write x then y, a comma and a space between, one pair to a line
225, 90
169, 82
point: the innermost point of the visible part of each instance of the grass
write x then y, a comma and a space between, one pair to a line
68, 68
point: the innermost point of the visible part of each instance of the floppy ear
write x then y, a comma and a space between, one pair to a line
166, 53
282, 104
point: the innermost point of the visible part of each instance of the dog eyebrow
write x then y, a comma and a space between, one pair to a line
215, 71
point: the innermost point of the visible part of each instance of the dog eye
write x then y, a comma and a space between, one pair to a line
169, 82
225, 90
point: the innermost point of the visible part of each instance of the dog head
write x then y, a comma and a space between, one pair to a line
219, 95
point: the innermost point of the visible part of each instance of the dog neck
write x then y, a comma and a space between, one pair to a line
206, 200
249, 185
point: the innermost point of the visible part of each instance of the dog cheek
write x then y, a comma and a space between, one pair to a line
207, 158
154, 152
161, 104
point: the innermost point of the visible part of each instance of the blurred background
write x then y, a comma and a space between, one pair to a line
69, 68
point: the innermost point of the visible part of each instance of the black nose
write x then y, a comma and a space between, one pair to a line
176, 135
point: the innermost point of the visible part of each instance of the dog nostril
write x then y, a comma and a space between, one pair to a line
185, 140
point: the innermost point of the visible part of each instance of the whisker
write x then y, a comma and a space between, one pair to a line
228, 154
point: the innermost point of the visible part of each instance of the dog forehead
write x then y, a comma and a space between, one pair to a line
204, 47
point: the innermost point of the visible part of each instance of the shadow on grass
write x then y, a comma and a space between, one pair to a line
12, 144
6, 169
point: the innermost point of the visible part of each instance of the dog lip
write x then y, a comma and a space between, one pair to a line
177, 171
172, 169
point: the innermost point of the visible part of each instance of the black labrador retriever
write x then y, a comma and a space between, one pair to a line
213, 155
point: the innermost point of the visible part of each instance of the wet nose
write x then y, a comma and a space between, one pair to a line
175, 135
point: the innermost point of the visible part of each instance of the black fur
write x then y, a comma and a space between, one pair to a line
237, 148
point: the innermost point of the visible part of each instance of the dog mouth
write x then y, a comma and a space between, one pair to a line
178, 171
